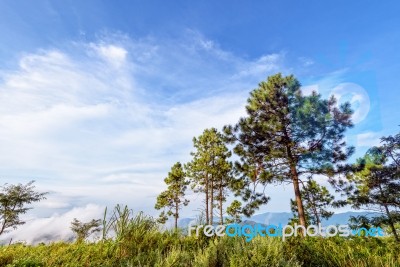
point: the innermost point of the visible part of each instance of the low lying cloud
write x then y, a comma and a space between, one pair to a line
55, 227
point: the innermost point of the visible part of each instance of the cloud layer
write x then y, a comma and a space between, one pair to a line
102, 122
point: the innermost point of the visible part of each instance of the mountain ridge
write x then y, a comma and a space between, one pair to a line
283, 218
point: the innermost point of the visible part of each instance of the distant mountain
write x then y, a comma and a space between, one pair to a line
183, 223
272, 218
343, 218
284, 217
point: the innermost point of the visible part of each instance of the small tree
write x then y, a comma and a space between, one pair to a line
250, 181
210, 170
316, 200
221, 175
360, 221
13, 201
375, 185
235, 212
173, 197
84, 230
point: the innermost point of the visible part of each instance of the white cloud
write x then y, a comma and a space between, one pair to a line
307, 90
103, 122
306, 62
55, 227
368, 139
115, 55
261, 66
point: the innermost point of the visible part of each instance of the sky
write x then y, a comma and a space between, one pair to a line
98, 99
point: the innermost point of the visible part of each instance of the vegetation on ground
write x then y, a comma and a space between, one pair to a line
150, 247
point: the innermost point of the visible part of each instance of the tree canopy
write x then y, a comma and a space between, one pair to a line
173, 199
210, 170
286, 134
13, 203
374, 183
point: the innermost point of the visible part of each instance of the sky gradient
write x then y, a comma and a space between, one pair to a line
98, 99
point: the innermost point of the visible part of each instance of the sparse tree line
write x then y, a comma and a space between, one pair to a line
286, 137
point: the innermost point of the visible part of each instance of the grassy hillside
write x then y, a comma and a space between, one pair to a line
169, 249
137, 241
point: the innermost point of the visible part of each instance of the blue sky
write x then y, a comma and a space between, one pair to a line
99, 98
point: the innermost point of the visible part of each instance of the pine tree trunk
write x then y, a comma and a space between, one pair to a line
317, 217
212, 200
3, 227
300, 208
221, 220
295, 179
315, 211
391, 224
176, 215
207, 198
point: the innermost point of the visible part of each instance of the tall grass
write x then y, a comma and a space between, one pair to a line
136, 240
169, 249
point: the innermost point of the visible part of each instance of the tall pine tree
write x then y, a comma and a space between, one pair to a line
286, 135
173, 199
210, 170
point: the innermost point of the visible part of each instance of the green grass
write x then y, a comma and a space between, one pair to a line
169, 249
137, 241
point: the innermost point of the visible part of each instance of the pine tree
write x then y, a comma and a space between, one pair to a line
173, 198
316, 200
286, 135
222, 176
390, 148
249, 177
84, 230
13, 203
235, 211
210, 170
375, 184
